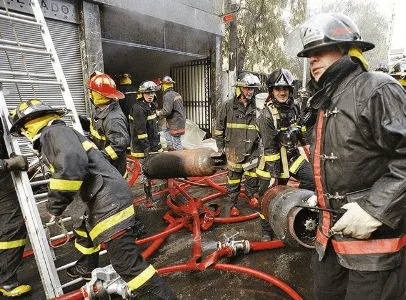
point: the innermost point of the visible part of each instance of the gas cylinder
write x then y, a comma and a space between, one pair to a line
295, 226
180, 164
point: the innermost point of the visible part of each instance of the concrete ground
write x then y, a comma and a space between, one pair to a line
291, 265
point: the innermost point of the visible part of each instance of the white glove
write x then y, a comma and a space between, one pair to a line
356, 222
158, 113
312, 201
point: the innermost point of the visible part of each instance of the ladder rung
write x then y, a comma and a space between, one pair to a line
40, 196
29, 45
37, 75
17, 15
30, 81
20, 20
25, 50
39, 182
74, 281
57, 237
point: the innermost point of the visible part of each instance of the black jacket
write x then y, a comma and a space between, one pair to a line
174, 112
237, 132
109, 131
359, 154
78, 166
144, 129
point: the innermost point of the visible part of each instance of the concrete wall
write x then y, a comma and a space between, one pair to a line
203, 15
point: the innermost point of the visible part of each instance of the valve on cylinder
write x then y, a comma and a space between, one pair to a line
236, 246
181, 164
105, 282
290, 221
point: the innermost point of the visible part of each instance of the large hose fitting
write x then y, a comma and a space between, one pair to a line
180, 164
295, 226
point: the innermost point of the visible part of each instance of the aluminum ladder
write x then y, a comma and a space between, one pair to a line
40, 241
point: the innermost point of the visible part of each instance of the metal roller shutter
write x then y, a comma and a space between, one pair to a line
66, 40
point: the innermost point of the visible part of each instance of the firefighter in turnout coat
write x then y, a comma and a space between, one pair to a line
359, 165
144, 131
77, 166
13, 232
237, 137
107, 125
281, 135
174, 113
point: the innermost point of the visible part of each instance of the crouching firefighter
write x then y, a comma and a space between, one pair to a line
78, 167
237, 138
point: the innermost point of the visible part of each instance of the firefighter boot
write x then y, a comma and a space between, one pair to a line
84, 267
148, 194
253, 201
14, 289
234, 212
267, 232
154, 289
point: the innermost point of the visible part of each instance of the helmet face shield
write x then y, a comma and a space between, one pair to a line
330, 29
148, 86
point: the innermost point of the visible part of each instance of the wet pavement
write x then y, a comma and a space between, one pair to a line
290, 265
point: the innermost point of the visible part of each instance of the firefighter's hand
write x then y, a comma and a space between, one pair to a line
16, 163
218, 155
219, 158
312, 201
356, 222
55, 219
158, 113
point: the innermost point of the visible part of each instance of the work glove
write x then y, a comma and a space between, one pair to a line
15, 163
312, 201
158, 113
219, 158
356, 222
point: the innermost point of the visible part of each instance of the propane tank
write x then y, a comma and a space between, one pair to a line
180, 164
295, 226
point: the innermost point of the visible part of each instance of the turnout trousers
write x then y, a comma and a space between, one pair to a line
334, 282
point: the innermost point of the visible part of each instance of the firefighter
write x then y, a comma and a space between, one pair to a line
237, 138
77, 166
175, 114
398, 71
107, 125
13, 232
144, 132
359, 165
281, 135
130, 93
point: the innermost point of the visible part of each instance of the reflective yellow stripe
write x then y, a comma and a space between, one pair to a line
273, 157
151, 117
251, 174
218, 132
296, 164
142, 278
241, 126
262, 216
81, 233
13, 244
86, 251
111, 221
263, 173
137, 154
233, 181
142, 136
285, 163
87, 145
110, 151
51, 168
130, 117
64, 184
303, 129
94, 133
234, 165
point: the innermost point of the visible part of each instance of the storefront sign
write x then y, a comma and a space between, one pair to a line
65, 10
